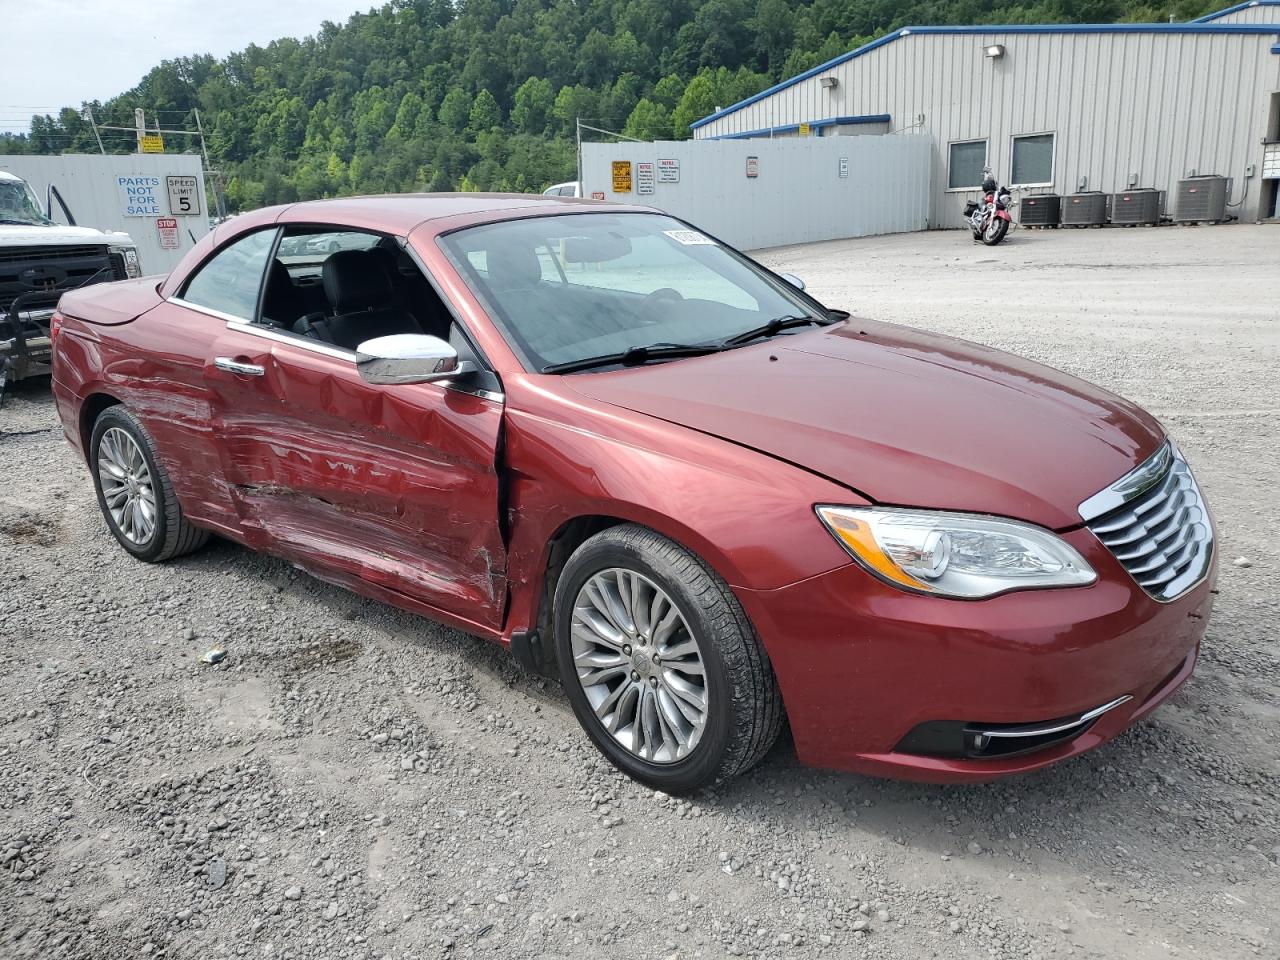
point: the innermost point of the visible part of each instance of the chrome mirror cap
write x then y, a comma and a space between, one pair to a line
792, 279
408, 358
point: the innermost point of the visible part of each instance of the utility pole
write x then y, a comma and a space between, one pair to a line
140, 125
209, 173
88, 114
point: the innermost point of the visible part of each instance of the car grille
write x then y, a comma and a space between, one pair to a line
1160, 531
49, 271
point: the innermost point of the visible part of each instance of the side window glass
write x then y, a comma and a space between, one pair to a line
230, 281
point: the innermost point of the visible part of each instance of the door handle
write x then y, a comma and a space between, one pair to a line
235, 366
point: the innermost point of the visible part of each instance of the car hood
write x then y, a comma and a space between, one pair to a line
38, 235
903, 417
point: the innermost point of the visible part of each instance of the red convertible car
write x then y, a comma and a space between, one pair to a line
656, 470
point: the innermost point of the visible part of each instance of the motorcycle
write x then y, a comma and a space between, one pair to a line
989, 220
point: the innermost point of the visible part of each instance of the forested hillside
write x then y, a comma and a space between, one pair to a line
483, 94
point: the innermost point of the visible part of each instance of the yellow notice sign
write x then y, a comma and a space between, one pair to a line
804, 130
622, 176
152, 143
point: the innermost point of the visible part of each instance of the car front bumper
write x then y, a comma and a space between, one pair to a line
862, 664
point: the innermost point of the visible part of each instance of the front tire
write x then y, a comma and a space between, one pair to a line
660, 663
995, 231
134, 491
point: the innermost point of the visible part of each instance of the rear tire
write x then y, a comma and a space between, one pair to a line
676, 620
143, 514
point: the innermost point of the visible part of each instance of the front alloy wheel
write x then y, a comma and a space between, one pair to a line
661, 665
639, 665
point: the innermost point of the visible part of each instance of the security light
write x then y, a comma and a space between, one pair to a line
995, 51
830, 83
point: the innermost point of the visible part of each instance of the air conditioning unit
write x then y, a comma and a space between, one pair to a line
1138, 206
1084, 209
1039, 210
1202, 200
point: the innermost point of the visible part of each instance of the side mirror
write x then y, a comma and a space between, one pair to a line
408, 358
792, 279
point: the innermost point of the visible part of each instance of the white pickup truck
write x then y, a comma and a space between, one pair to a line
39, 261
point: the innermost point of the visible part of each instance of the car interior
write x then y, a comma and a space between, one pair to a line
346, 291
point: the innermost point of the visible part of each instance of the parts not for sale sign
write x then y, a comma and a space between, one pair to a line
139, 196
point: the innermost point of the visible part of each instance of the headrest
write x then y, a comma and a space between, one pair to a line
512, 266
355, 280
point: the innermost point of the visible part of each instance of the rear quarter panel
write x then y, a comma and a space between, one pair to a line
154, 365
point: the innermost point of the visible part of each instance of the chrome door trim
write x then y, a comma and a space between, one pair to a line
305, 343
240, 325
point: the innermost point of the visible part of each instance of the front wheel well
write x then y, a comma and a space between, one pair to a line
570, 535
90, 411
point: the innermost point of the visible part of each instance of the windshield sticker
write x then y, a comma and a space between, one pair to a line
689, 237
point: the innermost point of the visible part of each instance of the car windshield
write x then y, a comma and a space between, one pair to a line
578, 286
18, 203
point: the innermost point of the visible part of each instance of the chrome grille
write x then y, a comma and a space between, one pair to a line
1154, 521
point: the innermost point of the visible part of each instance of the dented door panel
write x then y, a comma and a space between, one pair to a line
395, 485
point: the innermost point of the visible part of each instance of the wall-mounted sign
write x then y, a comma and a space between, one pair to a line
152, 143
844, 168
139, 196
753, 167
668, 171
597, 194
644, 178
804, 129
621, 176
167, 227
184, 197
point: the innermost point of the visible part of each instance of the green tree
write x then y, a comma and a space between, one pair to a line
485, 113
455, 110
533, 105
649, 121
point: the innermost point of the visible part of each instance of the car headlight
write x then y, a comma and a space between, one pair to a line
955, 554
132, 266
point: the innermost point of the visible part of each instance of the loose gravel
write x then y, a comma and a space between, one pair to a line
350, 781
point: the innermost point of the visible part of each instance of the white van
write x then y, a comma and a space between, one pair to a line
570, 189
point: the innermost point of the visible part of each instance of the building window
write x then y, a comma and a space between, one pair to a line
1033, 160
968, 159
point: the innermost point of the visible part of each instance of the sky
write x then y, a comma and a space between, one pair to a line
56, 53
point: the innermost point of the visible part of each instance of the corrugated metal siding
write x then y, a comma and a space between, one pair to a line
1146, 103
1260, 13
798, 195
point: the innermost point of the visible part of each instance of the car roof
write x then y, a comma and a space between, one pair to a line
401, 213
398, 214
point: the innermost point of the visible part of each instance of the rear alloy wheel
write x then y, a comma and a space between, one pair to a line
660, 663
134, 492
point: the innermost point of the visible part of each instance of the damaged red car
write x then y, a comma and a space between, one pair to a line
649, 466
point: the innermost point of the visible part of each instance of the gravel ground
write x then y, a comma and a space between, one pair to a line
355, 782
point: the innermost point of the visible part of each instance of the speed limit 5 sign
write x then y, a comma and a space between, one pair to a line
184, 196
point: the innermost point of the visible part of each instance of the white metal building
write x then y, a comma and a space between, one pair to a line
130, 192
762, 193
1053, 108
